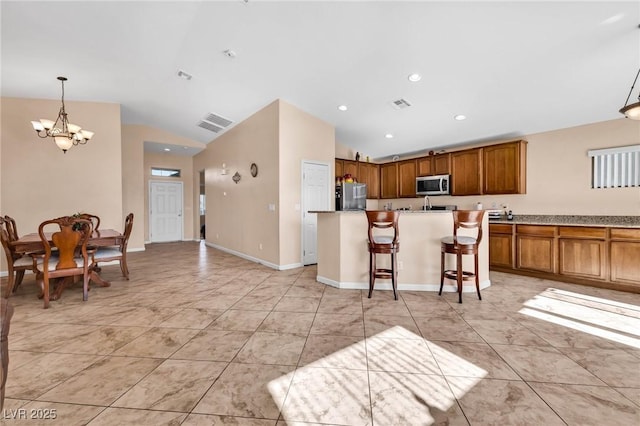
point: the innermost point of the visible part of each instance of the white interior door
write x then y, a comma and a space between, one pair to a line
165, 211
316, 195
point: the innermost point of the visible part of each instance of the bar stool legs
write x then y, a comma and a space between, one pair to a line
385, 273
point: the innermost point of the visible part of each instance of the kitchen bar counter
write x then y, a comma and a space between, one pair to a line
343, 257
572, 220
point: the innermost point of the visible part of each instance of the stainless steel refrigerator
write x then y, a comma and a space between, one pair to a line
351, 196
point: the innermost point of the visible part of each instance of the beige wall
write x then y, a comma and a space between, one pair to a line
238, 218
135, 177
185, 165
277, 138
559, 175
302, 137
40, 182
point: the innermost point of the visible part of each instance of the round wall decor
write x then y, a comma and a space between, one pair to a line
254, 169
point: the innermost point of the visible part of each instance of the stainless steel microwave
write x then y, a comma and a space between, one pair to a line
433, 185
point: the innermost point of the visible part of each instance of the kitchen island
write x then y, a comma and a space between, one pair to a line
343, 256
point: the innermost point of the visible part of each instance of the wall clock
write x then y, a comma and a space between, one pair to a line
254, 169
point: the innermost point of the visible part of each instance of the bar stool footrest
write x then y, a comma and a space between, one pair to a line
383, 273
453, 275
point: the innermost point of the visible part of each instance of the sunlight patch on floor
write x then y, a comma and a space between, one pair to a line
402, 385
615, 321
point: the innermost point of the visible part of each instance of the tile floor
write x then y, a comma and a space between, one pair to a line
201, 337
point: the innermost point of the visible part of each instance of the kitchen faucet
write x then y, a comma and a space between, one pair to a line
426, 202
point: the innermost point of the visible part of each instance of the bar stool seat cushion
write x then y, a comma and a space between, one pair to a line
461, 240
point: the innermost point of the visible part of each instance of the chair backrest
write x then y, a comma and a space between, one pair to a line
468, 219
4, 238
95, 220
66, 240
128, 226
12, 229
381, 219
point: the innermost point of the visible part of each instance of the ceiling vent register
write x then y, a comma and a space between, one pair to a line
214, 122
400, 104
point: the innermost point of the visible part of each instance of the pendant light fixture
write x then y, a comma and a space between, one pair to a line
632, 111
63, 133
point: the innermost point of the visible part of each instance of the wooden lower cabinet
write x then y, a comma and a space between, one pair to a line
501, 245
536, 248
582, 252
582, 258
624, 255
598, 256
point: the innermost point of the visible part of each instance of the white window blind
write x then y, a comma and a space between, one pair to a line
615, 167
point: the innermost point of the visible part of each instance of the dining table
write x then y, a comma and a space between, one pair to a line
31, 243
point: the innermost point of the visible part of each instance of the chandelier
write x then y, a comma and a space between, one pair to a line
63, 133
632, 111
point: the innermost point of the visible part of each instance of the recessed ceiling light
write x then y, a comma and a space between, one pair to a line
342, 107
459, 117
389, 136
167, 149
414, 77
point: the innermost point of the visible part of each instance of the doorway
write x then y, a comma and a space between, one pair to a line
203, 207
165, 211
316, 195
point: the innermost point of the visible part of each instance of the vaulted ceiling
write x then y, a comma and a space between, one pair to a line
512, 68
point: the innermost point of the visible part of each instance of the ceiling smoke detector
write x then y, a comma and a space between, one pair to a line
184, 75
230, 53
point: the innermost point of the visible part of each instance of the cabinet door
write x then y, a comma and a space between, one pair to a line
582, 258
351, 168
625, 267
442, 164
369, 173
535, 253
407, 178
466, 172
339, 168
504, 168
389, 180
501, 250
423, 166
501, 245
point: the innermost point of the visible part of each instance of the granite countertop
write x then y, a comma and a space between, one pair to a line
572, 220
362, 211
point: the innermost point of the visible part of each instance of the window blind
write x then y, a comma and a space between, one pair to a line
615, 167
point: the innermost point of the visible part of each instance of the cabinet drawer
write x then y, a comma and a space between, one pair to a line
625, 234
500, 228
539, 230
582, 232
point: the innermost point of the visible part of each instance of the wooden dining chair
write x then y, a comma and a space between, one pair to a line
71, 258
6, 312
95, 220
119, 252
17, 263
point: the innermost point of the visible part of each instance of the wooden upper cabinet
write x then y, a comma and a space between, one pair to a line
370, 174
339, 168
351, 168
407, 178
442, 164
466, 171
504, 168
439, 164
389, 180
424, 166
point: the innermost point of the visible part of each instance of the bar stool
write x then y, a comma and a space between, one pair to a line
460, 245
383, 244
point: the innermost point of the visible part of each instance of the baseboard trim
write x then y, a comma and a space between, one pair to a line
254, 259
448, 287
